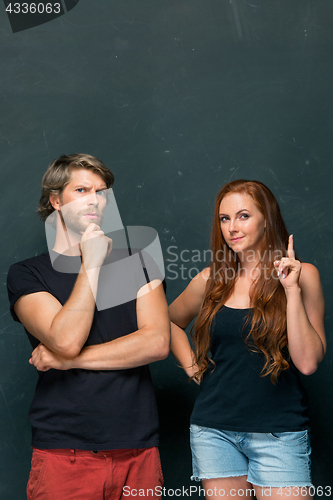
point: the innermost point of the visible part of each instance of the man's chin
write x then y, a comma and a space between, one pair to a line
80, 224
92, 220
77, 229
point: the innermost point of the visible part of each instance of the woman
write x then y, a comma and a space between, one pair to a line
259, 322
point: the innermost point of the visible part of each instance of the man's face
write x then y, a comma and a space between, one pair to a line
82, 201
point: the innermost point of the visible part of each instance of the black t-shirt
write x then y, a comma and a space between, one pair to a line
87, 409
234, 396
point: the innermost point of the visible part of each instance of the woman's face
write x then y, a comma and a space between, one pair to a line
242, 223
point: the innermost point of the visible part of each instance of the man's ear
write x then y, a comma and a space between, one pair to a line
55, 201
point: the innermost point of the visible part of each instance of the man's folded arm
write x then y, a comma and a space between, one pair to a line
151, 342
64, 329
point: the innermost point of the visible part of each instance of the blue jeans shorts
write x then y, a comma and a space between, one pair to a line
276, 459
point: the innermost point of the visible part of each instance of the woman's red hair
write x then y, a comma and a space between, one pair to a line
268, 300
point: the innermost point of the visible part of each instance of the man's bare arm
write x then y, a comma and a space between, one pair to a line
151, 342
65, 328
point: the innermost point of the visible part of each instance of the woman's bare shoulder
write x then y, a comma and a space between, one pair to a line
188, 303
309, 273
199, 281
310, 283
205, 273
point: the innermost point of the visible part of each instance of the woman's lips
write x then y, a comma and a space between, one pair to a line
234, 240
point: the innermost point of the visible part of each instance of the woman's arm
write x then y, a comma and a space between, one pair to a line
182, 311
182, 351
305, 312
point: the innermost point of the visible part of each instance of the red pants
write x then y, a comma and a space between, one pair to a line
88, 475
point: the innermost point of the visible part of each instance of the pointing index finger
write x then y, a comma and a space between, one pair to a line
290, 249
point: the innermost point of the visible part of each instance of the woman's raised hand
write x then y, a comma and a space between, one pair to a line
288, 268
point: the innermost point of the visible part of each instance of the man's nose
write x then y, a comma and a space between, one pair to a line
93, 199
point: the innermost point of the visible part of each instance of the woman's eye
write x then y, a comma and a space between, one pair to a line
223, 219
244, 216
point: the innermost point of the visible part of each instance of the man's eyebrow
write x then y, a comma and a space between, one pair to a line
89, 186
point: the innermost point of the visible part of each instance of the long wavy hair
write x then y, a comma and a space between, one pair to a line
268, 333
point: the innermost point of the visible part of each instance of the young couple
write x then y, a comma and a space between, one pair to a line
259, 322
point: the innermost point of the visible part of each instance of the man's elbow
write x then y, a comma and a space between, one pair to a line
165, 349
162, 345
67, 350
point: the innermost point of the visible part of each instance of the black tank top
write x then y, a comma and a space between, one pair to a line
234, 396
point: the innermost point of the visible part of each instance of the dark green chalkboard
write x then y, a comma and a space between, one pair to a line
176, 97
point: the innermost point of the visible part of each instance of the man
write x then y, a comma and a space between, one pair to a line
94, 418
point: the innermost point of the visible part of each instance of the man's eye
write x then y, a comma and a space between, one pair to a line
80, 190
102, 193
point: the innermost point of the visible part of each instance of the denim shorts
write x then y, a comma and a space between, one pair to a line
276, 459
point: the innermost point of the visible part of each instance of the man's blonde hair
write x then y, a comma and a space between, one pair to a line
58, 175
